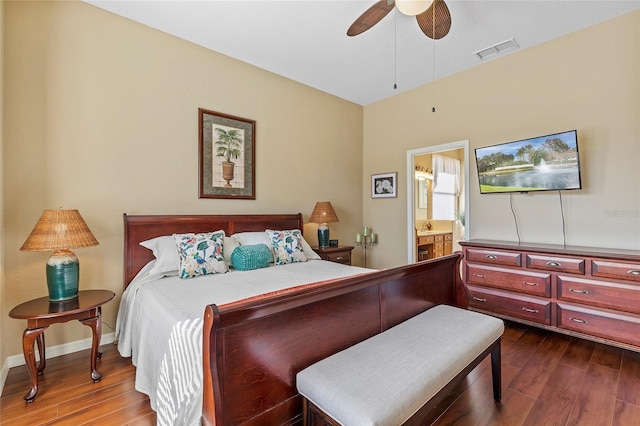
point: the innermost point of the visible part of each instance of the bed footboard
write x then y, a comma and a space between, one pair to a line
254, 348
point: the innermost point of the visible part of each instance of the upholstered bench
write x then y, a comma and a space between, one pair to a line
398, 376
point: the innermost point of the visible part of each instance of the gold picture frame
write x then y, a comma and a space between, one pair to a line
226, 148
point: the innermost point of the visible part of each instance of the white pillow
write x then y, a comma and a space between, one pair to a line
306, 248
166, 253
252, 238
230, 244
167, 258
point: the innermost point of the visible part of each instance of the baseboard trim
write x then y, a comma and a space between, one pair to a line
52, 352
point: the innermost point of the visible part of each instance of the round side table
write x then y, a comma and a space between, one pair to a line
41, 313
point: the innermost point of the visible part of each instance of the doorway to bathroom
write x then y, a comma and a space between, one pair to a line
429, 195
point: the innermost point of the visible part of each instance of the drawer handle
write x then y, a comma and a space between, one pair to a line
479, 299
575, 290
530, 284
554, 264
492, 256
533, 311
578, 320
339, 258
634, 272
479, 276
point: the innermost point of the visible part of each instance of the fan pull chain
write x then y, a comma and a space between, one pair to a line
395, 51
433, 59
433, 74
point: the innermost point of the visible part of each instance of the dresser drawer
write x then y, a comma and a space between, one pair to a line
536, 283
602, 323
338, 254
427, 239
344, 257
448, 237
497, 257
569, 265
617, 270
448, 247
625, 297
438, 238
517, 306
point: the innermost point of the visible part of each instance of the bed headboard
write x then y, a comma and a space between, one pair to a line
138, 228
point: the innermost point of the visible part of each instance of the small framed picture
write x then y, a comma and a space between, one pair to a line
384, 185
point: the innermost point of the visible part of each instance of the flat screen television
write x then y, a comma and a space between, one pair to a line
544, 163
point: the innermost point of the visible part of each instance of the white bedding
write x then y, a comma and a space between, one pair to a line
160, 326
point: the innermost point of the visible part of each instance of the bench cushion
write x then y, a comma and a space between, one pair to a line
385, 379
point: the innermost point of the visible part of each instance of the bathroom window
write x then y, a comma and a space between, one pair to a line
446, 187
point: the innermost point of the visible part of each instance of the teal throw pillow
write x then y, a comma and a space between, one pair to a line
246, 258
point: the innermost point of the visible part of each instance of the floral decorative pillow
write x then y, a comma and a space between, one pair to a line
201, 254
287, 246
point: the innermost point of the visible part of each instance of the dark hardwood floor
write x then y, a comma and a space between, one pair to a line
68, 396
547, 379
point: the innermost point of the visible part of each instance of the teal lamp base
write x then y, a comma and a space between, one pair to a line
323, 235
63, 273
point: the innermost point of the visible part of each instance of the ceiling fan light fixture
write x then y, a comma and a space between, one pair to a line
413, 7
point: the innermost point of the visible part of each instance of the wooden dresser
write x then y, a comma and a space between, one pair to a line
580, 291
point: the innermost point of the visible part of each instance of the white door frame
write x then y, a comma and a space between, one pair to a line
411, 220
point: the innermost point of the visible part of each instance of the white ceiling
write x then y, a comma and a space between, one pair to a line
306, 41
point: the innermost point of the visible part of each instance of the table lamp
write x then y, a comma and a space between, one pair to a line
60, 230
322, 214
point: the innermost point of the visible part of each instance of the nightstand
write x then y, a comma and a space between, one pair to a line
338, 254
41, 313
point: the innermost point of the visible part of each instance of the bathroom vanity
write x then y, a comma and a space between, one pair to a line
431, 244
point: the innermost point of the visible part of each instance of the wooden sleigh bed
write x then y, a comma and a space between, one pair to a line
253, 348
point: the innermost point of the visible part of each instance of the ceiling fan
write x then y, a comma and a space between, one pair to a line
433, 16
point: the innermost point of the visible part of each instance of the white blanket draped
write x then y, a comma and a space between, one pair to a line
160, 326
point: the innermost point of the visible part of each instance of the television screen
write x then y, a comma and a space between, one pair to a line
545, 163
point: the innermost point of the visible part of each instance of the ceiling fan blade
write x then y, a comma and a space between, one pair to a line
435, 22
370, 17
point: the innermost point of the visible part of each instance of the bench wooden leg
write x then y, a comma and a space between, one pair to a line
314, 416
496, 372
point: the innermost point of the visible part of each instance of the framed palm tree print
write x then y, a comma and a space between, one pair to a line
226, 155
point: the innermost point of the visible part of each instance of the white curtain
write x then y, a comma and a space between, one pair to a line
446, 187
450, 166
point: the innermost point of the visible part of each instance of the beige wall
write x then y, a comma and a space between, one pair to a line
103, 117
4, 352
588, 80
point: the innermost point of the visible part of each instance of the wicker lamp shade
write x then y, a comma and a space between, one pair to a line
59, 231
323, 213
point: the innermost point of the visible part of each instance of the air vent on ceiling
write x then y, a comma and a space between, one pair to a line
497, 49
